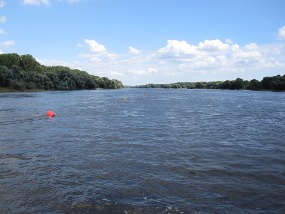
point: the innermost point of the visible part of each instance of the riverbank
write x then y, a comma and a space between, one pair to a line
274, 83
9, 90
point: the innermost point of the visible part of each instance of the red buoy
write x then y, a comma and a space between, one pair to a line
50, 114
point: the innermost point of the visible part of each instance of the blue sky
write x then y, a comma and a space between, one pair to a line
150, 41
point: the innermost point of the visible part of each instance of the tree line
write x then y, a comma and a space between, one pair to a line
275, 83
23, 72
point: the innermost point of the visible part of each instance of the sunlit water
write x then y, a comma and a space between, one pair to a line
143, 151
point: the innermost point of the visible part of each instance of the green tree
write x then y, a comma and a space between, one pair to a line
29, 63
266, 82
5, 75
278, 83
226, 85
10, 59
16, 84
18, 73
254, 85
24, 72
238, 84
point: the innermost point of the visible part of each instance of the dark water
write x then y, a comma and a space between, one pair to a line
157, 151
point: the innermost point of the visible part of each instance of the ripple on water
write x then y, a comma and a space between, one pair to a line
172, 151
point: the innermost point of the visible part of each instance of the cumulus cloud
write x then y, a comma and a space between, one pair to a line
281, 33
133, 50
213, 56
2, 4
152, 70
147, 71
213, 45
36, 2
251, 46
3, 19
250, 53
138, 72
175, 48
235, 47
229, 41
209, 55
97, 52
94, 46
182, 61
116, 73
99, 58
111, 56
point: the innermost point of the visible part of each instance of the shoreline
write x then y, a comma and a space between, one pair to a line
8, 90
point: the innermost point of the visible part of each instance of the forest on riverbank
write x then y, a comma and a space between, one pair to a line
274, 83
24, 73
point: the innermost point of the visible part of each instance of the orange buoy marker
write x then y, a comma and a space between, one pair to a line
50, 114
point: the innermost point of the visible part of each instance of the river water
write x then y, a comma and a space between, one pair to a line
142, 151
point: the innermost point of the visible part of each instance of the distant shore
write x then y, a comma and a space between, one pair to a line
274, 83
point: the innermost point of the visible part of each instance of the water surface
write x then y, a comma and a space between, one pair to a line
157, 151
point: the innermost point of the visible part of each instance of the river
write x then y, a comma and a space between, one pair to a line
142, 151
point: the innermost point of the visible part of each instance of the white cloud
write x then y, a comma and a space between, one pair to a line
97, 52
147, 71
208, 60
7, 43
281, 33
152, 70
2, 4
111, 56
248, 53
213, 45
116, 74
133, 50
138, 72
229, 41
251, 47
36, 2
223, 58
3, 19
175, 48
94, 46
234, 47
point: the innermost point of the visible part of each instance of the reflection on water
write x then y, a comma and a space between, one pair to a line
172, 151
